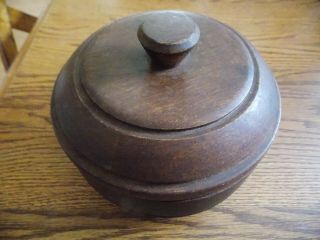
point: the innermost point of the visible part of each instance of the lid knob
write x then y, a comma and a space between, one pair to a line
168, 37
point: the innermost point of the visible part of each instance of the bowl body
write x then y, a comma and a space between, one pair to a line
159, 172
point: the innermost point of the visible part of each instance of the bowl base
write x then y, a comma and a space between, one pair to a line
144, 207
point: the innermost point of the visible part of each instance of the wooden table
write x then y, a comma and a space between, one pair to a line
42, 194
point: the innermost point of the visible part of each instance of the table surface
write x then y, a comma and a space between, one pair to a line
43, 195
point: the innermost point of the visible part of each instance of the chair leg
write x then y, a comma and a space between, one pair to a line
20, 20
8, 47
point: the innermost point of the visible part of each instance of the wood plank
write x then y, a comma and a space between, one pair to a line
43, 196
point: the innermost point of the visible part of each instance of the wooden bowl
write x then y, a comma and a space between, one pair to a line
166, 112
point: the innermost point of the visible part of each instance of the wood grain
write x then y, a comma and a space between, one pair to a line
43, 196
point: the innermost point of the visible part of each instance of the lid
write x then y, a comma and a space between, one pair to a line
166, 70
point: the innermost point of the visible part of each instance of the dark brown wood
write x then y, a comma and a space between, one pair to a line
120, 78
153, 139
168, 36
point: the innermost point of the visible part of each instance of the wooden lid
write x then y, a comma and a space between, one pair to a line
166, 70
